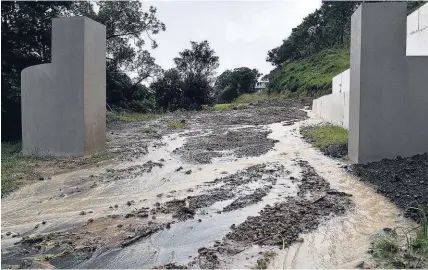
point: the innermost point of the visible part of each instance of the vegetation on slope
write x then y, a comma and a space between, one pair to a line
316, 50
310, 76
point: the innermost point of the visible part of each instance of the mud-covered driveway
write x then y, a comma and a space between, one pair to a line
219, 193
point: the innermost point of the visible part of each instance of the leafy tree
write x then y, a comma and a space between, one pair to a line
327, 27
169, 90
26, 41
237, 82
199, 60
188, 86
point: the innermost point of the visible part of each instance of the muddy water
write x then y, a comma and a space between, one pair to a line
340, 242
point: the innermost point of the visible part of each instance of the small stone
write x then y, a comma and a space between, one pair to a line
179, 168
41, 178
168, 226
90, 220
37, 226
116, 206
8, 233
300, 240
190, 190
82, 213
159, 195
43, 222
119, 225
387, 229
233, 226
189, 172
200, 220
224, 172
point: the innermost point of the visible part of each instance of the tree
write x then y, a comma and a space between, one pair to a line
237, 82
188, 86
127, 26
169, 90
26, 41
199, 60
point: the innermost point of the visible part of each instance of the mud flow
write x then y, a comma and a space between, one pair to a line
220, 193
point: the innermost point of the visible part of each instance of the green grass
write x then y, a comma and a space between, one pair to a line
241, 102
102, 156
326, 135
131, 116
17, 170
175, 125
221, 107
13, 167
409, 249
310, 76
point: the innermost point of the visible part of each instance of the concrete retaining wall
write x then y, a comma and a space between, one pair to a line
329, 107
334, 108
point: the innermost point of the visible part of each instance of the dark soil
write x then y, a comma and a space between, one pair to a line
281, 223
259, 113
244, 142
403, 180
284, 221
233, 186
246, 200
223, 140
171, 266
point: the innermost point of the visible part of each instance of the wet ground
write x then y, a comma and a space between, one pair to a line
403, 180
219, 193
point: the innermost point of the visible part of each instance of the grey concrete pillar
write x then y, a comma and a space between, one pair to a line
63, 103
388, 110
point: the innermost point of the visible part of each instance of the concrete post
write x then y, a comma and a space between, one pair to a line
63, 103
388, 112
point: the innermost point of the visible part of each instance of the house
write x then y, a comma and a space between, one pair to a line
260, 86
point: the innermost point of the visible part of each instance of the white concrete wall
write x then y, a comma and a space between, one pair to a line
333, 109
341, 83
417, 32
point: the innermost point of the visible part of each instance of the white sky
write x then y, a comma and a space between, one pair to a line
240, 32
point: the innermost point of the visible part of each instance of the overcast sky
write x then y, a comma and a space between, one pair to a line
240, 32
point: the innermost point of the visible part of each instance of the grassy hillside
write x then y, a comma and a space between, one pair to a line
310, 76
